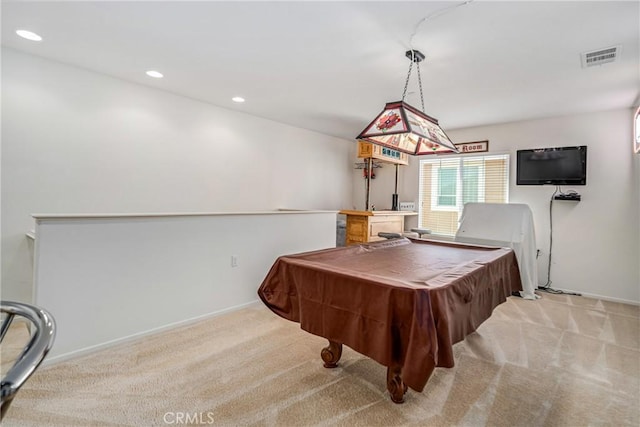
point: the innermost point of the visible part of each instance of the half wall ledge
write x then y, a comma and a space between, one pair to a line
109, 277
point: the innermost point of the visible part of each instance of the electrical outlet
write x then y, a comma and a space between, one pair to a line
234, 260
407, 206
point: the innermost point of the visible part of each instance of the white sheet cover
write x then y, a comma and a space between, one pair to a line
504, 224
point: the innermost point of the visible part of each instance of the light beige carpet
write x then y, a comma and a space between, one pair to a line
558, 361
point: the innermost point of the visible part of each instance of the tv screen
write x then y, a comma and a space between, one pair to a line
555, 166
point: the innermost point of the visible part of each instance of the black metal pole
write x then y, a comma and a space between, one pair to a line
368, 184
394, 198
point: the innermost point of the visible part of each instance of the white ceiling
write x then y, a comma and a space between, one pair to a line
331, 66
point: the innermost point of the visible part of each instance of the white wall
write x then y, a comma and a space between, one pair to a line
75, 141
636, 169
596, 241
106, 279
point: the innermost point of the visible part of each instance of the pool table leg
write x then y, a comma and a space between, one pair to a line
397, 388
331, 354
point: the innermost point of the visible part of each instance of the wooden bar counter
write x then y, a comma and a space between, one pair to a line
364, 226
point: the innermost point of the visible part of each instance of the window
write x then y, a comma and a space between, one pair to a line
447, 183
447, 180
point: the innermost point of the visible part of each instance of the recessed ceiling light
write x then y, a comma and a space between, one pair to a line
154, 74
29, 35
237, 99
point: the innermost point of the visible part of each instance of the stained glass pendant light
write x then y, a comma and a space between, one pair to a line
405, 128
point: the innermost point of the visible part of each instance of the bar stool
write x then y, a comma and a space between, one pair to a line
421, 231
389, 236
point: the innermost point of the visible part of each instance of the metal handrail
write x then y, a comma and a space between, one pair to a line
41, 341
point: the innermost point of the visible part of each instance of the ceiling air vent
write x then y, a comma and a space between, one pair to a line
600, 56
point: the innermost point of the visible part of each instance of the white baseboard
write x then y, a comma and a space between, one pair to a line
601, 297
88, 350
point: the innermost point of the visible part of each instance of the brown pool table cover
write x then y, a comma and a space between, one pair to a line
402, 301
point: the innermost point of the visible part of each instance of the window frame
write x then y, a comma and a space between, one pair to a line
459, 159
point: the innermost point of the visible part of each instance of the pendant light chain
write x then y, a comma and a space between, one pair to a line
406, 83
420, 84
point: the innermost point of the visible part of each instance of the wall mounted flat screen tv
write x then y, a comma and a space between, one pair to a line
554, 166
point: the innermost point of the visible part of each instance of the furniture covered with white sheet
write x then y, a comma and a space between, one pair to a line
504, 224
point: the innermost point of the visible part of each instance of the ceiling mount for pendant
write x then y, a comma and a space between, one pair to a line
405, 128
415, 55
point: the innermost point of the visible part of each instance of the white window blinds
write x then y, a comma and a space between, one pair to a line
447, 183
